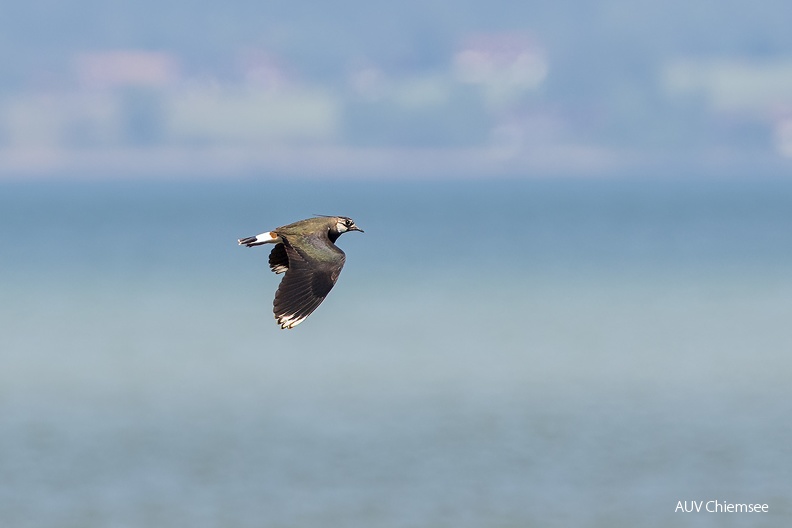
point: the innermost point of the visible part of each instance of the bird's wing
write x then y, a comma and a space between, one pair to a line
313, 269
278, 259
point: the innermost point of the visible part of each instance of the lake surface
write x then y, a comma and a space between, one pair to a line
495, 354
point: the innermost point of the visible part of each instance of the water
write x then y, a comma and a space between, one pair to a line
495, 354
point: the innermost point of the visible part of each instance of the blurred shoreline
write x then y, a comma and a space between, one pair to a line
376, 163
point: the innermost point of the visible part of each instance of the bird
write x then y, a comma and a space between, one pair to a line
306, 252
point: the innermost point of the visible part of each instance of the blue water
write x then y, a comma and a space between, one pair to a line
495, 354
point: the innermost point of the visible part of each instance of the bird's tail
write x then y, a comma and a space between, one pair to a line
268, 237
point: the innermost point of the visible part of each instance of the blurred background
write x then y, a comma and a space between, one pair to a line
569, 308
465, 87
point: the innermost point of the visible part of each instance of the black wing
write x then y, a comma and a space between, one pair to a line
278, 259
314, 264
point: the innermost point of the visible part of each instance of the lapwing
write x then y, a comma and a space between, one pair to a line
307, 253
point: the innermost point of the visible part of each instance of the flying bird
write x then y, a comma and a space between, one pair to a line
307, 253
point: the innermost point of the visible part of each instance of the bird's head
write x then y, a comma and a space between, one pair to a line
344, 224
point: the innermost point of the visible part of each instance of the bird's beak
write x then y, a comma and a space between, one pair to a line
356, 228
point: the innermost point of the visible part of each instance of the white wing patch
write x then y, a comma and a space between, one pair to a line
290, 321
